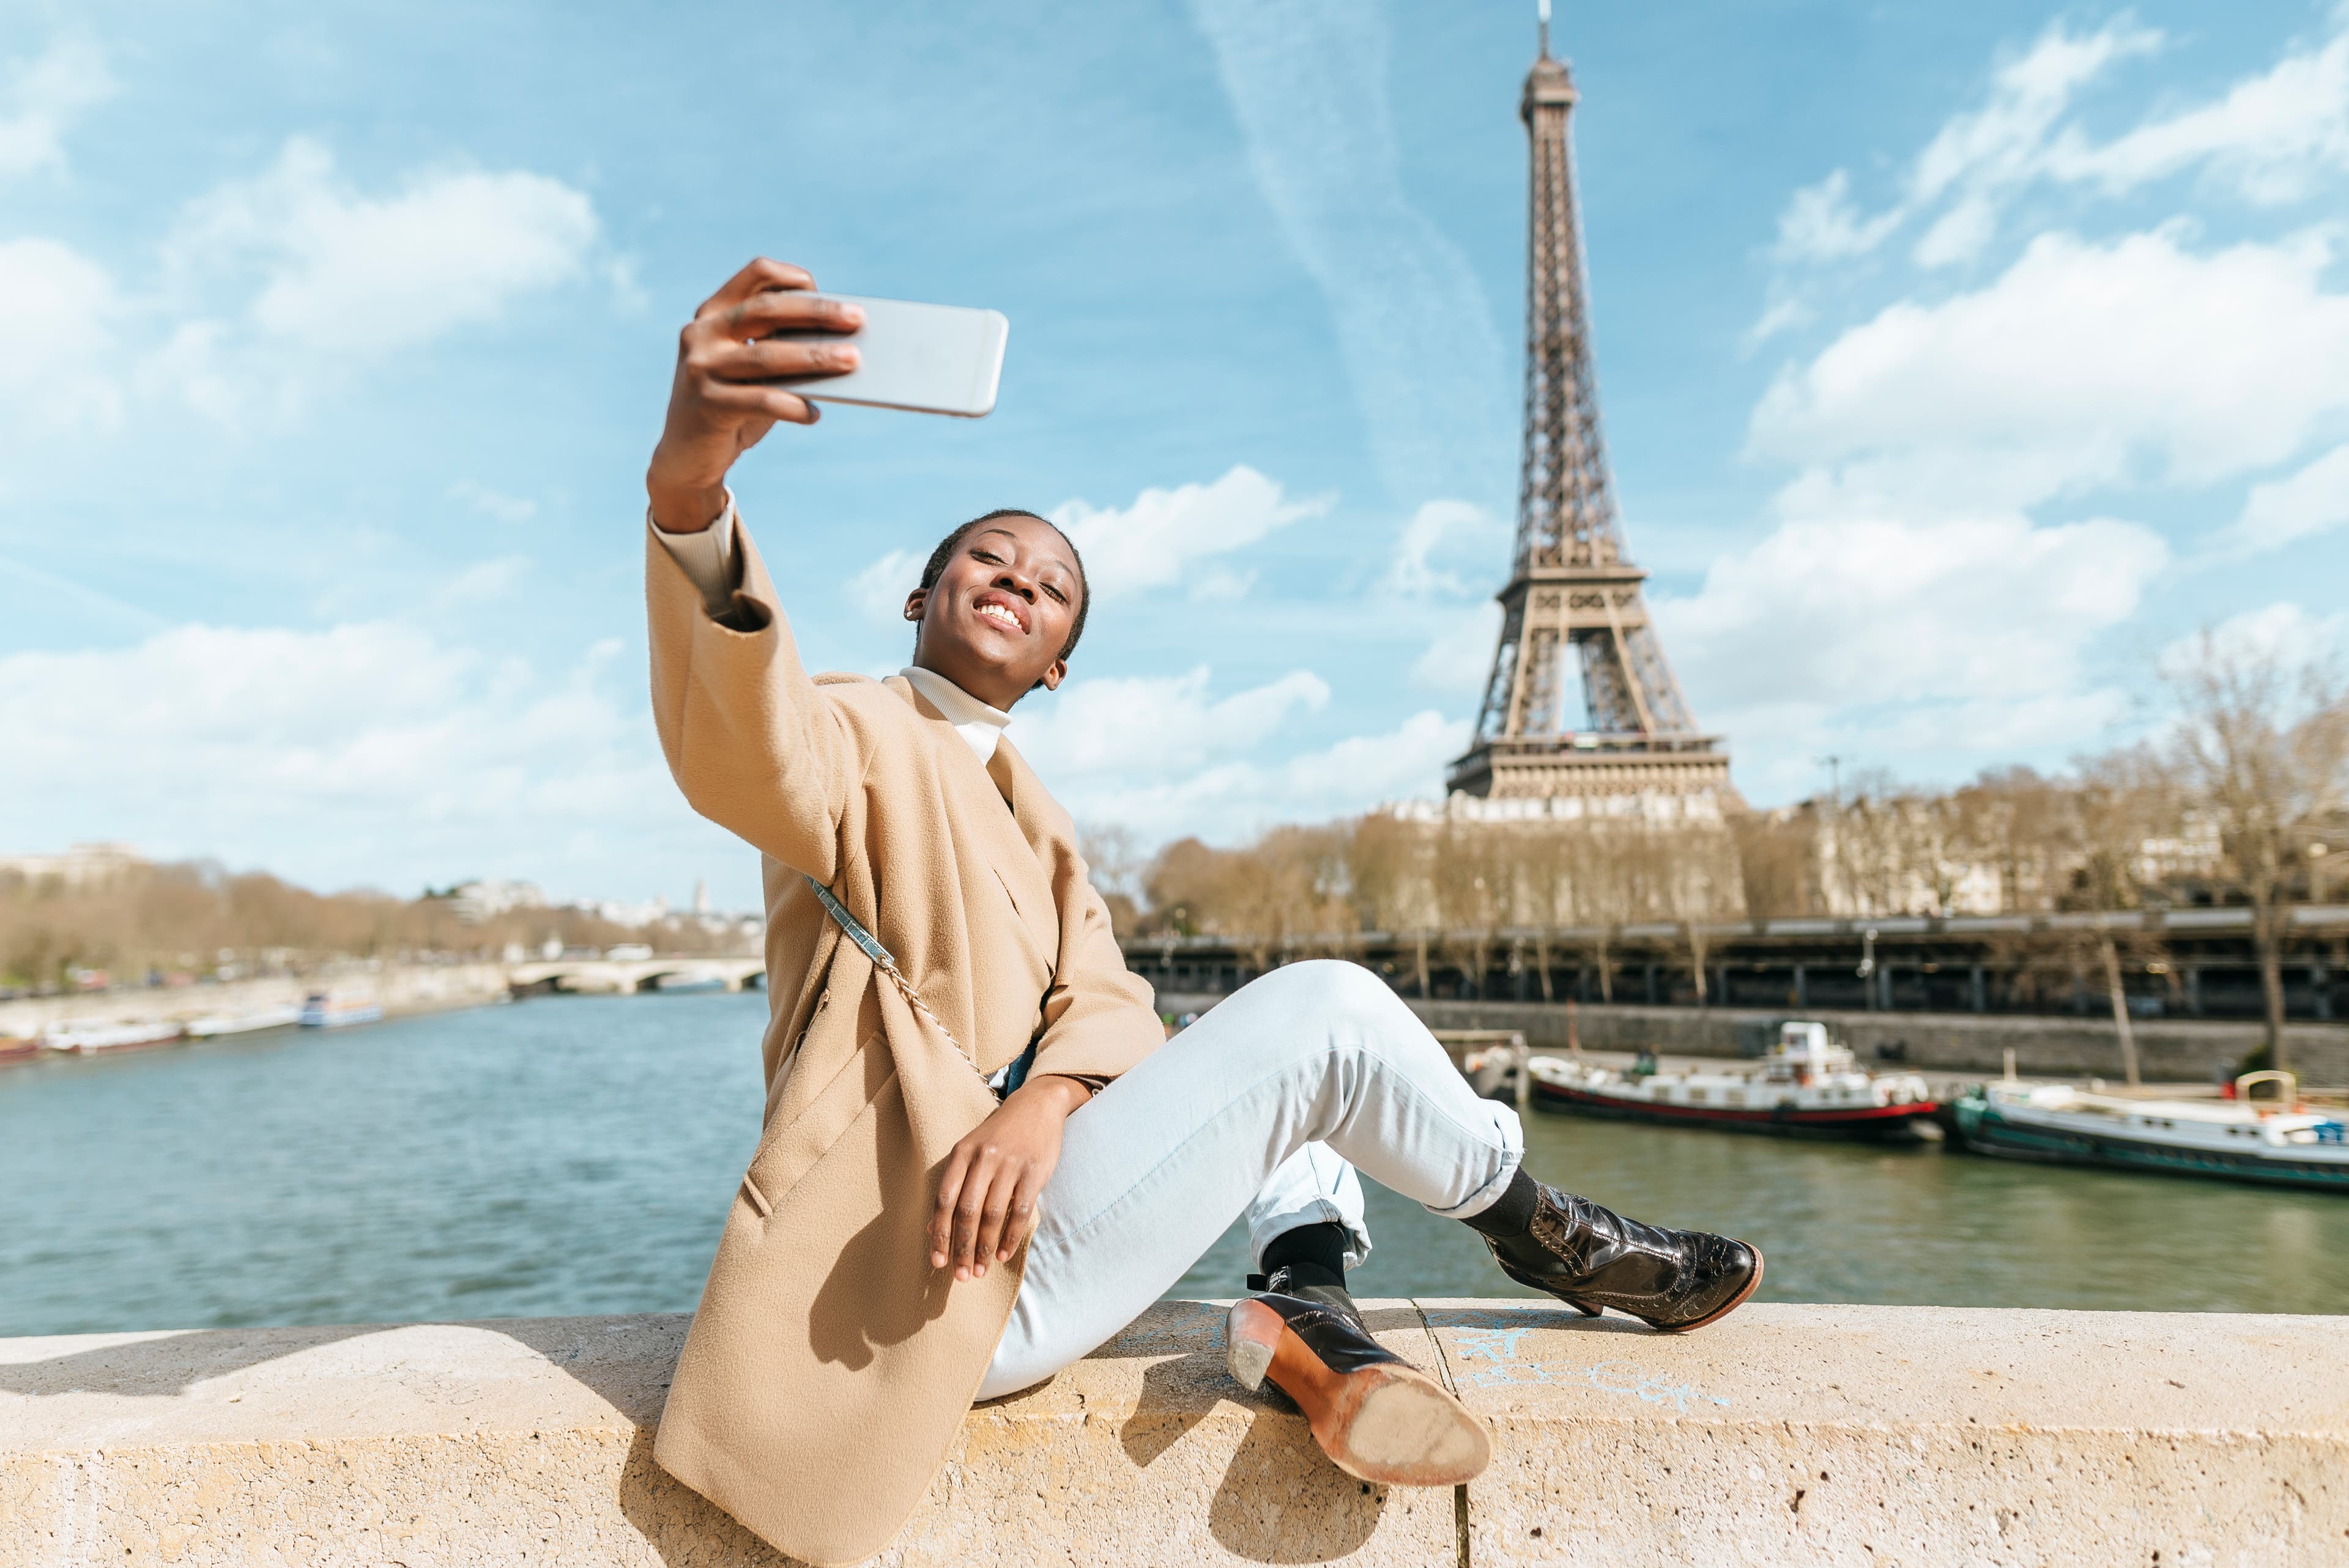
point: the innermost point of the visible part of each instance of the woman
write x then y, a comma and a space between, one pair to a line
977, 1163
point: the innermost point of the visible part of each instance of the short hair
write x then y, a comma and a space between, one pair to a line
937, 566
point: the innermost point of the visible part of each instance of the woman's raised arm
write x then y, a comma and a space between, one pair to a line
748, 737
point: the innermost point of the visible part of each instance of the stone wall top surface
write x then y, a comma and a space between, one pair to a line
1785, 1434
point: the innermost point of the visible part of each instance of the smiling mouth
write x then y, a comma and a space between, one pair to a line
1002, 614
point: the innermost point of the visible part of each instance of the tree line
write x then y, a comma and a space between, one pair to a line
2241, 796
195, 920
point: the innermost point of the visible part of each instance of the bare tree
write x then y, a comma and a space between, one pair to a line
2261, 743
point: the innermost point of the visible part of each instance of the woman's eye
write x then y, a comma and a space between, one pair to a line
1056, 593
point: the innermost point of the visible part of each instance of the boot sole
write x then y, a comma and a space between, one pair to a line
1391, 1424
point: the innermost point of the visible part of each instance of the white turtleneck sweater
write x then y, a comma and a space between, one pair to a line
709, 562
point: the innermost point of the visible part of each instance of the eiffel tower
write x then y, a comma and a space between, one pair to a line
1572, 586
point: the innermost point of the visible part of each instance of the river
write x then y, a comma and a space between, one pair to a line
577, 1154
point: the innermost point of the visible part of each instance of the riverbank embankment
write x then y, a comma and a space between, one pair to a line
2168, 1050
1788, 1434
396, 988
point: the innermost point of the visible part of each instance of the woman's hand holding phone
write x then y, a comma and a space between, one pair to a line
717, 408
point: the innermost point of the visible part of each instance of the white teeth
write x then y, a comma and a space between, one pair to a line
996, 613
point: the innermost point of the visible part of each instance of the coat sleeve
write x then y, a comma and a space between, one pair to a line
754, 744
1100, 1016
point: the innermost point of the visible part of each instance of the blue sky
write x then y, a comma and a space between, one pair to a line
1956, 362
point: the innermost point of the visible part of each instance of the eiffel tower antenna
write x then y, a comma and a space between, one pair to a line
1572, 589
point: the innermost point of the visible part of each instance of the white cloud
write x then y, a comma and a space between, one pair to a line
1820, 223
492, 503
2286, 633
266, 283
2275, 135
2314, 501
1149, 724
881, 588
484, 582
1459, 659
1308, 82
1436, 528
344, 273
1231, 799
41, 97
331, 754
57, 351
2083, 365
2003, 144
2270, 137
1165, 535
1849, 613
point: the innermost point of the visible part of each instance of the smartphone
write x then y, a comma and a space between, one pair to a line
928, 358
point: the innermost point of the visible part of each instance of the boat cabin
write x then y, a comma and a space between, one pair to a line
1803, 1054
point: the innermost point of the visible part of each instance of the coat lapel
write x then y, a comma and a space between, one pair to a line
1004, 840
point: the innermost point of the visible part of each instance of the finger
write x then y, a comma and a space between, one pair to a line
942, 1219
992, 1214
769, 359
967, 1212
779, 310
1026, 1213
762, 274
760, 402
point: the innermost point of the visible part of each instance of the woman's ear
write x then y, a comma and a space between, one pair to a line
915, 602
1054, 673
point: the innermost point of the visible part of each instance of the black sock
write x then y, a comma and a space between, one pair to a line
1313, 1255
1511, 1213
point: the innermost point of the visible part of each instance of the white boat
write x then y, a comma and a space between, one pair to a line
2272, 1138
1807, 1086
323, 1012
218, 1023
87, 1039
675, 985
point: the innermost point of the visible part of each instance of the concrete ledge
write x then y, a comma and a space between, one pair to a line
1787, 1434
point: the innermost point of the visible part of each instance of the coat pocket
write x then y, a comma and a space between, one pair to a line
755, 1198
791, 1151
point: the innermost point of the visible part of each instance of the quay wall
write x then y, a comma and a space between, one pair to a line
398, 987
2168, 1050
1785, 1435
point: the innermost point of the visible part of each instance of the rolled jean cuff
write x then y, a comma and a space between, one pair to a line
1512, 1156
1264, 1229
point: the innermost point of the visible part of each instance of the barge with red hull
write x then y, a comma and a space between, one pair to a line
1805, 1087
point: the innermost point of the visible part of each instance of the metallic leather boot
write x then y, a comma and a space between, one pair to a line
1376, 1416
1592, 1258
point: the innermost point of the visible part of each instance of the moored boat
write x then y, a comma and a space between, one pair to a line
682, 984
18, 1048
2274, 1140
216, 1025
1807, 1086
323, 1012
88, 1039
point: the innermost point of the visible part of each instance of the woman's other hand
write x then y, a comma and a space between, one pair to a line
718, 409
994, 1181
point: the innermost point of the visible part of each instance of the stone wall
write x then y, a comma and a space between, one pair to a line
2167, 1050
1785, 1435
1953, 1042
398, 987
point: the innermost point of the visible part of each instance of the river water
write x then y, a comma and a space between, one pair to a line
577, 1155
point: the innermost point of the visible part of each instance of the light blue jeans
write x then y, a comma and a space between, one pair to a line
1263, 1108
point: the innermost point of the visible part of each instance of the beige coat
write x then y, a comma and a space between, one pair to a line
829, 1366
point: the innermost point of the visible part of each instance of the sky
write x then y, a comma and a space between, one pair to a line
1955, 361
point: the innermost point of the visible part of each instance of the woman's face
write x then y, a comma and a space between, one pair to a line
1001, 612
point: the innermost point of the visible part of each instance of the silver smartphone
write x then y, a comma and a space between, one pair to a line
929, 359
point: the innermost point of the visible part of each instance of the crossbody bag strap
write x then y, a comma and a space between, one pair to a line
870, 946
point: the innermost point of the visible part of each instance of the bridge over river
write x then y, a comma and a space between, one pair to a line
611, 976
